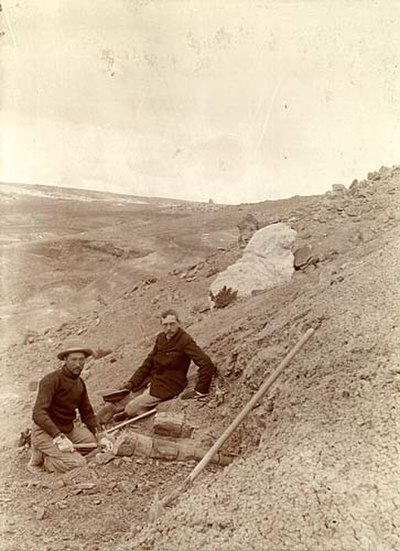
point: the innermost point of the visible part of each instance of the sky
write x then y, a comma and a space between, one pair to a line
233, 100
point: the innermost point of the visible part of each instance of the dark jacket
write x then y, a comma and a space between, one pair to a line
58, 397
168, 363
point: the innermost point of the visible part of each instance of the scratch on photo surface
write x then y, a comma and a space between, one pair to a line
9, 26
268, 114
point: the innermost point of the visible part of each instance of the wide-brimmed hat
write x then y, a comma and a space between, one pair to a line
74, 346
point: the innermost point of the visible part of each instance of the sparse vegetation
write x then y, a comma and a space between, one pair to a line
224, 297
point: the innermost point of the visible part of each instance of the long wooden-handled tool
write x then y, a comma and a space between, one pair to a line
129, 421
158, 505
87, 446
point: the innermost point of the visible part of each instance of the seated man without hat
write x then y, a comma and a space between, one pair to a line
54, 432
166, 367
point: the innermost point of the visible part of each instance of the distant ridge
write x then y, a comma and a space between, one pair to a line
83, 194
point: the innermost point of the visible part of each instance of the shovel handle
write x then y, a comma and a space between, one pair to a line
250, 405
117, 427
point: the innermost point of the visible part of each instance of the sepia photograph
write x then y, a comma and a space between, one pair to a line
199, 261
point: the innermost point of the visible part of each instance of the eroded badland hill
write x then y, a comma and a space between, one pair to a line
316, 463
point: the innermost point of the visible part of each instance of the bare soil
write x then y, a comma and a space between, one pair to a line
317, 460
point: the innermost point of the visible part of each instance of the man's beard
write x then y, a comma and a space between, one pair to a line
73, 374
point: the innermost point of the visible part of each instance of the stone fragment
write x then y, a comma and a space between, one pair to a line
40, 513
54, 484
92, 491
33, 385
352, 211
104, 458
125, 445
144, 445
304, 257
168, 424
187, 431
85, 486
301, 256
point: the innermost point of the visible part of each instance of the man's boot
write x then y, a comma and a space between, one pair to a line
106, 413
36, 461
121, 416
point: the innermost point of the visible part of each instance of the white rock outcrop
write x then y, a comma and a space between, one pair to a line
267, 262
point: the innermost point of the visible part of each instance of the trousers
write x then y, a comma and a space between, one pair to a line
54, 460
141, 404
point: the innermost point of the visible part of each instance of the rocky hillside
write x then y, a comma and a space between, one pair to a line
316, 462
325, 470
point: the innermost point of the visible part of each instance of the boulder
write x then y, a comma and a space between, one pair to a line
267, 262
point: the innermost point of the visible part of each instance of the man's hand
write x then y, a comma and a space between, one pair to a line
63, 443
189, 394
104, 441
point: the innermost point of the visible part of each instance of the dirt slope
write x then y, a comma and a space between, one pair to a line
317, 465
325, 474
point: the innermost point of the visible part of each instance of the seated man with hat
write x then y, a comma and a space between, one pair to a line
54, 434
